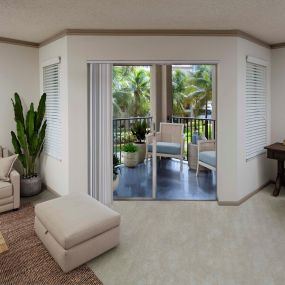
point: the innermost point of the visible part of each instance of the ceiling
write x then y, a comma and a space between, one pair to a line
37, 20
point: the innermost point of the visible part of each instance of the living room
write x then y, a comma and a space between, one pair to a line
61, 58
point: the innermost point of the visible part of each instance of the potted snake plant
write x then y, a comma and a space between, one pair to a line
139, 131
116, 172
28, 142
130, 155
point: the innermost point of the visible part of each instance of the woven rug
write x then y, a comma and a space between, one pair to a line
27, 261
3, 245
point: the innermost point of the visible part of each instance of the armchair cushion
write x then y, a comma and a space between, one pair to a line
208, 157
5, 189
166, 147
6, 165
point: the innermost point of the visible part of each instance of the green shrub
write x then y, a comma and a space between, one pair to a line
139, 130
130, 147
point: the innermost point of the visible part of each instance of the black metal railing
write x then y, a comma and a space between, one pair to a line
205, 126
122, 132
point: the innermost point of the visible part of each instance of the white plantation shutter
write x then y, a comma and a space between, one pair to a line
53, 132
256, 108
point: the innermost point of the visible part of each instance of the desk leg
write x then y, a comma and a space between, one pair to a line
279, 178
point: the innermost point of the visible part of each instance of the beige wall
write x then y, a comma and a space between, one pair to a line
18, 73
257, 171
277, 99
56, 172
222, 50
278, 94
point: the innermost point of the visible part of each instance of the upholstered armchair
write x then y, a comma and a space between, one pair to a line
169, 142
207, 155
9, 190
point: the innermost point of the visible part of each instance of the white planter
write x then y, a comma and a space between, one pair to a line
141, 151
116, 182
130, 159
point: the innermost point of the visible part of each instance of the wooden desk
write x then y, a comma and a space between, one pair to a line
277, 151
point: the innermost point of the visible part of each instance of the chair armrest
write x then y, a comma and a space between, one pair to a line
149, 137
206, 145
15, 180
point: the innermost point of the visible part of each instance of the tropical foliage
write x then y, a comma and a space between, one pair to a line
29, 141
139, 130
131, 91
192, 90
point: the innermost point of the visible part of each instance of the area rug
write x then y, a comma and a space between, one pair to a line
27, 261
3, 245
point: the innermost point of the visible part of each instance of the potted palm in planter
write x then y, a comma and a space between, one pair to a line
28, 142
139, 130
116, 170
130, 155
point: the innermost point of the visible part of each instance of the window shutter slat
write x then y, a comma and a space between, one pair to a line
53, 139
256, 107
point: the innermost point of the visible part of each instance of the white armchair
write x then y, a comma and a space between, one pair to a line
9, 191
169, 142
207, 155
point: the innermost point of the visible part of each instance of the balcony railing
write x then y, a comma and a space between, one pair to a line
205, 126
122, 130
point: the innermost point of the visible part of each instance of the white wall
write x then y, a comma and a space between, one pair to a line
220, 49
56, 172
278, 94
18, 73
256, 172
277, 99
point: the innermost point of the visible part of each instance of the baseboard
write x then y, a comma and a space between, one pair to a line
245, 198
51, 190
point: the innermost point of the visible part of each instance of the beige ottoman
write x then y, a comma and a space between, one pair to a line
76, 228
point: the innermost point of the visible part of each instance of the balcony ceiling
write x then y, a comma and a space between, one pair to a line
37, 20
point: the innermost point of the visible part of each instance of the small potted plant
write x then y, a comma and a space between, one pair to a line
130, 155
116, 172
139, 130
28, 143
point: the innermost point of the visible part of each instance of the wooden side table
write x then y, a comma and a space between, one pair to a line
277, 151
193, 157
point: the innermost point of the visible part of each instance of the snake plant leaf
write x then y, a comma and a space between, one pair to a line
18, 109
22, 158
41, 111
16, 143
22, 136
33, 146
30, 122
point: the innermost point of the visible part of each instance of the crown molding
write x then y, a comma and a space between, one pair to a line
144, 32
18, 42
278, 45
154, 32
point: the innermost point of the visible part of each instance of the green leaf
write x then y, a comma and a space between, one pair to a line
41, 137
30, 121
22, 136
18, 109
22, 158
41, 112
16, 143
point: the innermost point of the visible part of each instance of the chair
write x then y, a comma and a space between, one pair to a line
9, 191
169, 142
206, 155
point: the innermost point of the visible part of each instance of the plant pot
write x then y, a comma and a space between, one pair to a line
31, 186
141, 151
130, 159
116, 182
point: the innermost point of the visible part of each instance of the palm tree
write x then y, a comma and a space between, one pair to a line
179, 86
201, 81
131, 91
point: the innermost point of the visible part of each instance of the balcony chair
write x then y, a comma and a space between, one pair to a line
206, 155
169, 142
9, 190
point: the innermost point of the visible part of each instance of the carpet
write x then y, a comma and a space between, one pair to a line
27, 261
